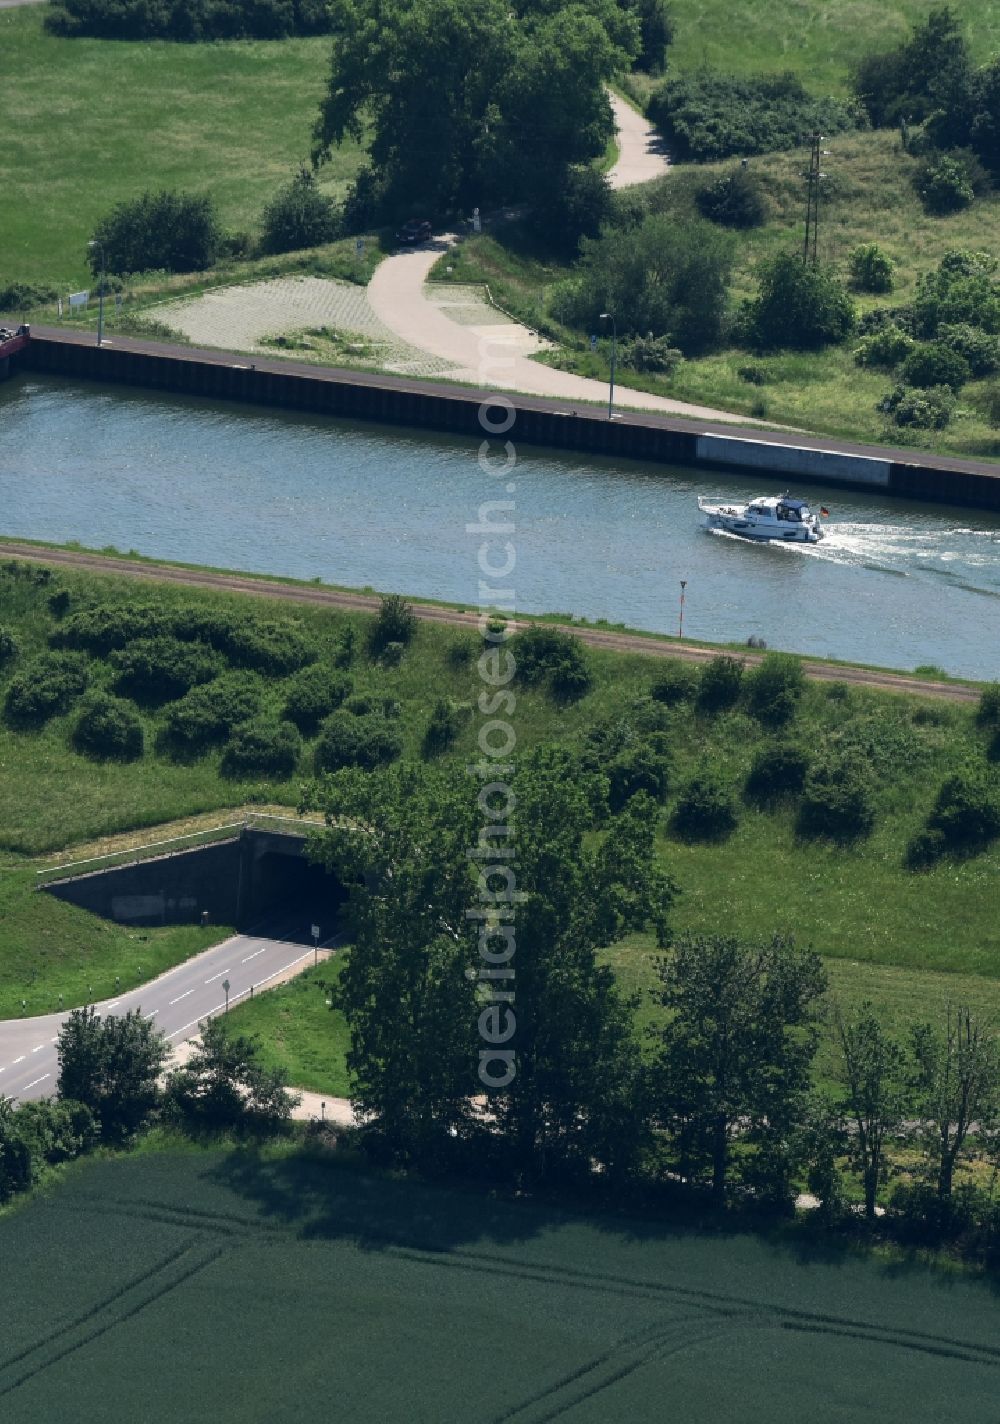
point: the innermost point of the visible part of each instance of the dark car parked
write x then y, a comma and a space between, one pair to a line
414, 231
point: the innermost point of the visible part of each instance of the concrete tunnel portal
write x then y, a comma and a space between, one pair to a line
257, 880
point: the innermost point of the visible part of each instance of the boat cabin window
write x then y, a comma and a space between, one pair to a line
793, 515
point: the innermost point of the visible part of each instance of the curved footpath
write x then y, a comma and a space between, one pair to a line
496, 353
619, 642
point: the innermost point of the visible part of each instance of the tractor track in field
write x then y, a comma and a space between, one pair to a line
621, 642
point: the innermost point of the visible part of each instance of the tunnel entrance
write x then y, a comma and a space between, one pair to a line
259, 881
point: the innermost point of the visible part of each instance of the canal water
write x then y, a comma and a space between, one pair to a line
894, 583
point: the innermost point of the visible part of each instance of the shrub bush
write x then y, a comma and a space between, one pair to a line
837, 801
395, 622
705, 810
734, 199
19, 297
929, 409
175, 232
542, 653
677, 682
48, 685
707, 115
719, 684
160, 669
778, 771
299, 216
108, 729
979, 349
188, 20
650, 353
933, 363
943, 184
367, 742
59, 601
773, 688
884, 348
106, 626
312, 694
207, 713
343, 653
871, 269
798, 306
988, 711
8, 647
966, 814
962, 289
641, 767
262, 749
274, 647
444, 726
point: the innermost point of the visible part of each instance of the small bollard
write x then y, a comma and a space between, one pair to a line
24, 1007
251, 991
322, 1112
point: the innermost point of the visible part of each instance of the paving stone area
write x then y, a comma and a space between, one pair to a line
238, 318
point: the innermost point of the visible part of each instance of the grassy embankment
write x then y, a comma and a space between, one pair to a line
90, 123
868, 197
911, 940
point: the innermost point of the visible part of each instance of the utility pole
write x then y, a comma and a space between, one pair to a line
810, 249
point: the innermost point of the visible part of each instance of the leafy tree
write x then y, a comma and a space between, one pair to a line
872, 1074
178, 232
871, 268
930, 72
979, 349
670, 280
16, 1166
962, 289
576, 204
299, 216
225, 1085
470, 103
933, 363
943, 184
705, 809
958, 1087
108, 729
418, 981
111, 1065
778, 770
736, 1053
46, 686
444, 726
798, 306
544, 654
656, 33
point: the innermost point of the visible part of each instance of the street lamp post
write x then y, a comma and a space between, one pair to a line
607, 316
100, 293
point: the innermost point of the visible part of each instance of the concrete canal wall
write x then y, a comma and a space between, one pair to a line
426, 405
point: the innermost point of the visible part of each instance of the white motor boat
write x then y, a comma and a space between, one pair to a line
769, 516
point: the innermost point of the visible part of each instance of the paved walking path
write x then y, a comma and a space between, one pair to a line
642, 154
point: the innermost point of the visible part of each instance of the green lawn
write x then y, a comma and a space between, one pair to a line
90, 123
283, 1288
299, 1032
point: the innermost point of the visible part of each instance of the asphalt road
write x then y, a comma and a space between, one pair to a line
178, 1001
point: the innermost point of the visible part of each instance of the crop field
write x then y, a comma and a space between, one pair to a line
245, 1288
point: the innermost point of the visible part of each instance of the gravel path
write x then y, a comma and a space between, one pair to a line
431, 613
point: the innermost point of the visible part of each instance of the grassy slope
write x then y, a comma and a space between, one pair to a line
868, 197
852, 904
818, 41
89, 123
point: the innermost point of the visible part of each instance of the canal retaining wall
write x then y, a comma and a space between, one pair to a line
424, 405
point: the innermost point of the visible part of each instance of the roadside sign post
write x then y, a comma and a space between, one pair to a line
314, 930
225, 985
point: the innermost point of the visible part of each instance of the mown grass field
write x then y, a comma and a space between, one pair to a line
273, 1288
90, 123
